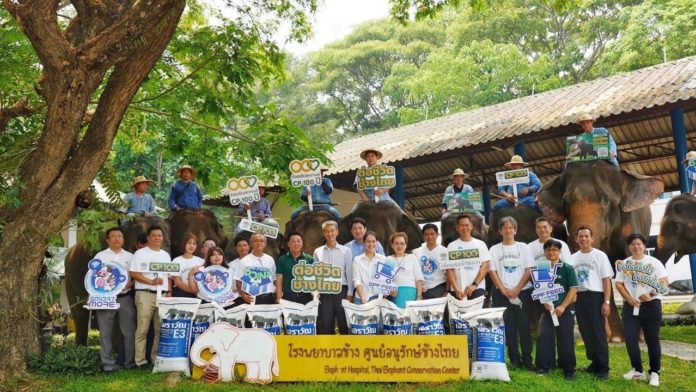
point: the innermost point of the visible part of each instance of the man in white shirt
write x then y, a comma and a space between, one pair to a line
126, 312
510, 271
330, 307
255, 265
429, 256
544, 230
469, 281
146, 287
594, 274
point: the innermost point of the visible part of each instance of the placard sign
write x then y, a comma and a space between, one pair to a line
464, 202
378, 176
642, 275
158, 267
257, 227
243, 190
457, 258
691, 171
587, 147
383, 279
104, 281
512, 177
215, 285
320, 277
257, 280
306, 172
545, 288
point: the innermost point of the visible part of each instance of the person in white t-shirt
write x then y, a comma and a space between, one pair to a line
638, 279
146, 286
510, 271
243, 248
187, 260
257, 260
468, 281
594, 274
106, 318
429, 256
544, 230
364, 268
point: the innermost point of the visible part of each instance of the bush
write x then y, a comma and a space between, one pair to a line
680, 321
68, 359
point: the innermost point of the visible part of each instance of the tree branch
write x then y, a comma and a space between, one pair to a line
19, 109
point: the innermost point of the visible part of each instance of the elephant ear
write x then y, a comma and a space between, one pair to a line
550, 198
409, 226
638, 191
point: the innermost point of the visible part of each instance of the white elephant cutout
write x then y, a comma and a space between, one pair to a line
255, 348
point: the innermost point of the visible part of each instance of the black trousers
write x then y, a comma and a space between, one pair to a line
265, 299
435, 292
518, 334
649, 320
331, 311
564, 341
300, 298
588, 309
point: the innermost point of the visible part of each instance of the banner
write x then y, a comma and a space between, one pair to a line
215, 285
457, 258
464, 202
104, 281
512, 177
257, 227
306, 172
243, 190
587, 147
378, 176
320, 277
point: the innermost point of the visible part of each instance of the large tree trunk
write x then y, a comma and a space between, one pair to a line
126, 38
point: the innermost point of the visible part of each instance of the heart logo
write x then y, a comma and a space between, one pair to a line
314, 163
251, 181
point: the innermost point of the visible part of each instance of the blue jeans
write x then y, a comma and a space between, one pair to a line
318, 207
527, 201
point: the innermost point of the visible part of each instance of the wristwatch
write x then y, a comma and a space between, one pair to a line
607, 302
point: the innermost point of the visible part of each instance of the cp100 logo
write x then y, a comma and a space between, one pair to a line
304, 166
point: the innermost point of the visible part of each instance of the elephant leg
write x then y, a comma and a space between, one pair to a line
614, 326
226, 368
80, 316
265, 371
252, 372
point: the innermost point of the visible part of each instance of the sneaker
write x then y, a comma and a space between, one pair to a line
634, 375
569, 376
654, 379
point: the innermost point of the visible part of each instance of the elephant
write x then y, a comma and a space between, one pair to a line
76, 267
254, 348
384, 218
308, 223
525, 218
202, 223
449, 228
612, 202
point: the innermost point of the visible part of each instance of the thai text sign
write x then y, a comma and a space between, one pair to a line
378, 176
587, 147
243, 190
306, 172
403, 358
256, 227
158, 267
464, 202
642, 274
321, 277
512, 177
457, 258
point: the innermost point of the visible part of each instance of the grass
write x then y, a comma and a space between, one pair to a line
676, 376
681, 333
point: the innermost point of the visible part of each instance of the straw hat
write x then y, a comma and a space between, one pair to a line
584, 116
137, 180
689, 156
182, 168
377, 152
459, 172
261, 184
516, 159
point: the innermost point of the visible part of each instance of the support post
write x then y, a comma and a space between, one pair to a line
486, 200
519, 149
399, 188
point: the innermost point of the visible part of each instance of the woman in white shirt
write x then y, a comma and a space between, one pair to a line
641, 279
408, 276
364, 267
187, 260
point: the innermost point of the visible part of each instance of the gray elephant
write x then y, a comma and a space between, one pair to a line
308, 223
254, 348
384, 219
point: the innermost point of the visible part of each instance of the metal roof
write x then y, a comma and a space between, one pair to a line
635, 106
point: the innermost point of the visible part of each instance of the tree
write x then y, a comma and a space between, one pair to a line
93, 57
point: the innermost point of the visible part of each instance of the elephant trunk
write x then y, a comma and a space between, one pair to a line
590, 215
663, 249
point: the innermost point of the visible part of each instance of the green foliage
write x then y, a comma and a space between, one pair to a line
67, 359
680, 321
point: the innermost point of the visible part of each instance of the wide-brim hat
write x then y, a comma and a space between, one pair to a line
377, 152
584, 116
689, 156
185, 167
516, 159
137, 180
459, 172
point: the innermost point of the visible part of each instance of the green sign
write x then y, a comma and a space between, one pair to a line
378, 176
587, 147
464, 202
321, 277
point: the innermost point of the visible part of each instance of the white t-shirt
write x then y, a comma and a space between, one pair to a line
510, 262
591, 268
537, 249
654, 269
236, 269
408, 270
265, 262
429, 261
466, 275
187, 265
364, 269
147, 255
122, 258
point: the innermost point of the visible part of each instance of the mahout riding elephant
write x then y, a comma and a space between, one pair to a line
202, 223
612, 202
76, 268
274, 246
449, 228
525, 218
384, 218
308, 223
